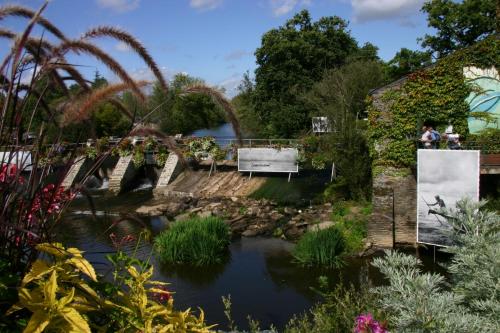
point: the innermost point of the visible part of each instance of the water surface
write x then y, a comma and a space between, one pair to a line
259, 274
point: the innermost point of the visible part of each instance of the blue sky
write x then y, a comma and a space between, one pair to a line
215, 39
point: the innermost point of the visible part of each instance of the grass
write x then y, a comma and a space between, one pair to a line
353, 232
198, 241
300, 191
320, 248
352, 226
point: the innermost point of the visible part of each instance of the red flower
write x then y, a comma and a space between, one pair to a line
162, 296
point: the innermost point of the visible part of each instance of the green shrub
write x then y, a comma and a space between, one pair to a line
198, 241
467, 300
351, 220
353, 233
336, 312
322, 248
63, 293
340, 210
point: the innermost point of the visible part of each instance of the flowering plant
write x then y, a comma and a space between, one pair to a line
29, 212
365, 323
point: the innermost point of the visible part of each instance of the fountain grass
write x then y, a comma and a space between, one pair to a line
320, 248
198, 241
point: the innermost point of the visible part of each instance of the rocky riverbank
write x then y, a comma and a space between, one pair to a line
245, 216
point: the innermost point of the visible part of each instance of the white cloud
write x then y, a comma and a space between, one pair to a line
236, 55
119, 6
145, 74
231, 84
205, 4
122, 47
282, 7
371, 10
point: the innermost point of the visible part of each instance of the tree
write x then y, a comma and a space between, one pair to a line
290, 60
407, 61
183, 113
109, 121
243, 103
340, 96
136, 107
367, 52
458, 24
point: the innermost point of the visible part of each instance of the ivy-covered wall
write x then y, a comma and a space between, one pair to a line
396, 112
437, 94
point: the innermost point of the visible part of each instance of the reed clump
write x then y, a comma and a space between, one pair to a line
320, 248
198, 241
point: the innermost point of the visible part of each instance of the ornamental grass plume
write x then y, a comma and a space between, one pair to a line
31, 196
125, 37
20, 11
113, 65
80, 110
219, 99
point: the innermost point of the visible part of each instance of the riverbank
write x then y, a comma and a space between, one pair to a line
250, 217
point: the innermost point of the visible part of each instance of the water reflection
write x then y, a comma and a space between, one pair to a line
260, 274
200, 277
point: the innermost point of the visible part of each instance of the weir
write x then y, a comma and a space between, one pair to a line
123, 172
73, 172
170, 171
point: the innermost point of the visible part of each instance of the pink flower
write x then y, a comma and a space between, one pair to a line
366, 324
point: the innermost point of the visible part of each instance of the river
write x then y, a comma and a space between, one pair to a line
260, 274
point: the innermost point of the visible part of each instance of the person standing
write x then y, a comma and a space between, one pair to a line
435, 137
426, 138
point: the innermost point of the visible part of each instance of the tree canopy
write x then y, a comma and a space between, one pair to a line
183, 113
407, 61
458, 24
290, 59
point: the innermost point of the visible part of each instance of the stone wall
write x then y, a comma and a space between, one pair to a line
394, 208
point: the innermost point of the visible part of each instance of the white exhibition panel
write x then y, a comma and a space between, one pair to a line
451, 175
22, 159
268, 160
321, 125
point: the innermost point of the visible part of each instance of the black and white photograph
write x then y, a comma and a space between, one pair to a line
444, 177
321, 125
268, 160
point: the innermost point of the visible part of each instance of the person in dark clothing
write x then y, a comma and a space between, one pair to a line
439, 202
